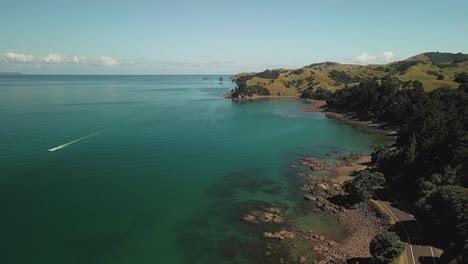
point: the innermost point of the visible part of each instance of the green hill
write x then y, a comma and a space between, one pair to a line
432, 69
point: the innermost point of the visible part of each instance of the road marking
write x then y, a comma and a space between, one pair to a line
427, 237
409, 240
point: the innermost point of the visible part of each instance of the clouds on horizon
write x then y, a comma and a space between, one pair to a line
57, 63
366, 58
53, 58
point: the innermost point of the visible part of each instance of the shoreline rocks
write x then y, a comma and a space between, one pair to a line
362, 222
264, 215
283, 234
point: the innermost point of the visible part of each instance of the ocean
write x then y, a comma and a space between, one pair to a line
153, 169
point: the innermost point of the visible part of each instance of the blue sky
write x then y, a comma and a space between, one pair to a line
215, 37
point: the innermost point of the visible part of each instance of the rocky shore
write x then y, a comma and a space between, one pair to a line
362, 222
320, 106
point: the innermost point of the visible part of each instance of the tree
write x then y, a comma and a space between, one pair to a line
386, 247
411, 151
363, 185
462, 78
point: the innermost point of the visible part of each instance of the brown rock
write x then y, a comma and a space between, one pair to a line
249, 218
320, 248
322, 186
302, 259
283, 234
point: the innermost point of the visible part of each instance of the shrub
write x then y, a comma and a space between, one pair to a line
386, 247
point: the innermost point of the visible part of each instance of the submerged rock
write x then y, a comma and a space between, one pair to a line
266, 215
249, 218
316, 164
283, 234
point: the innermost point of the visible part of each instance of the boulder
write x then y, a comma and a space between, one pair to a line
283, 234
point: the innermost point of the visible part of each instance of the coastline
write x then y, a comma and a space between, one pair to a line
326, 192
257, 97
361, 223
320, 106
356, 244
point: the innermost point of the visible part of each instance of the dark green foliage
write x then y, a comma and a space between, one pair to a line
443, 66
428, 164
363, 185
319, 94
251, 90
446, 57
463, 87
342, 77
386, 247
328, 63
403, 66
268, 74
433, 73
462, 78
451, 201
298, 71
386, 99
437, 74
243, 90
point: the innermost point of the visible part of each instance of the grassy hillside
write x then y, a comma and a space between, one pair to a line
433, 69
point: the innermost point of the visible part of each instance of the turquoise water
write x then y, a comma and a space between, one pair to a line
164, 172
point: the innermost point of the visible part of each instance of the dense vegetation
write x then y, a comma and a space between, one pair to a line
403, 66
363, 185
445, 57
243, 90
318, 94
386, 247
427, 167
342, 77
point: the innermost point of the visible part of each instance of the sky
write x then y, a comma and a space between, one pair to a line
220, 37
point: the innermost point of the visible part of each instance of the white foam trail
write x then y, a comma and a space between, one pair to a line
72, 142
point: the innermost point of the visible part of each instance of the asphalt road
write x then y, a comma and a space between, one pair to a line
414, 253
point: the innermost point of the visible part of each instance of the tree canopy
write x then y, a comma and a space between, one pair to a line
430, 154
386, 247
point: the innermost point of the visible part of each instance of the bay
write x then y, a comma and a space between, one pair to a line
159, 169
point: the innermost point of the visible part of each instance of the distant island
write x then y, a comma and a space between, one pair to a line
10, 73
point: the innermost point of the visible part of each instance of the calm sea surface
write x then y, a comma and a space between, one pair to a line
159, 169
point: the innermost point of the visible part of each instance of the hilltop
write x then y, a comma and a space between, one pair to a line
432, 69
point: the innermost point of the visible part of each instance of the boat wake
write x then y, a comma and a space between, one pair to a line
73, 142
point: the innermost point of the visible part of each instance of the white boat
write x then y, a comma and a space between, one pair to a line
56, 148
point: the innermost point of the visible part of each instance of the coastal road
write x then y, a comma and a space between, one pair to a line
414, 253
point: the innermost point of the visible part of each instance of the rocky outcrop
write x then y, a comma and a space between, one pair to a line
316, 164
320, 191
283, 234
264, 215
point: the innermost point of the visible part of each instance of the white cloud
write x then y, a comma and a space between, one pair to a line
76, 59
107, 61
366, 58
53, 58
11, 57
17, 58
388, 56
